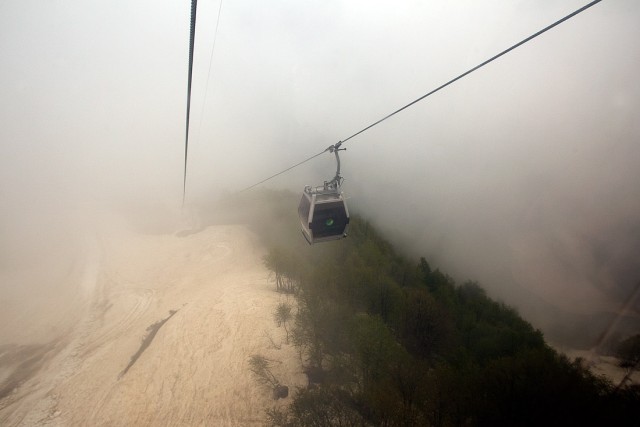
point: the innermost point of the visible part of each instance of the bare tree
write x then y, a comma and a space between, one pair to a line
260, 366
282, 316
268, 336
285, 269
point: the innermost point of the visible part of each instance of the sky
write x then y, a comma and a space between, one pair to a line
523, 175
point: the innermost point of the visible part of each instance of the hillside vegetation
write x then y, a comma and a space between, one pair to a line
394, 342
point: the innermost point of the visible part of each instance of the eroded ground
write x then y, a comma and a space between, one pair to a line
164, 339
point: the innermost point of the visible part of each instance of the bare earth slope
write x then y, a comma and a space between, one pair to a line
165, 339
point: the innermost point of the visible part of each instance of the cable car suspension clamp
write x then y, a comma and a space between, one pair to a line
336, 182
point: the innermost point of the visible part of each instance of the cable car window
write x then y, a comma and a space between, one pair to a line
329, 219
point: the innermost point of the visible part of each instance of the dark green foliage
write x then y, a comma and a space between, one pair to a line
287, 267
537, 387
486, 329
424, 327
628, 352
372, 348
403, 345
321, 328
318, 407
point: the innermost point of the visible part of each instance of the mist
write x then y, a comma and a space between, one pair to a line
522, 175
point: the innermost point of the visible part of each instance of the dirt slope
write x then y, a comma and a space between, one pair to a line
169, 326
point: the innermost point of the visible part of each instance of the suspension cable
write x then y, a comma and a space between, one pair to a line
194, 4
520, 43
213, 48
281, 172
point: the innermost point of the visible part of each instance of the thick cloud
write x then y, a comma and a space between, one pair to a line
522, 175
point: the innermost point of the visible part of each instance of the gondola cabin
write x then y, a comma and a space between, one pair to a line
323, 215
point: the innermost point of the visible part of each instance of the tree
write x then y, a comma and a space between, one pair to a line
628, 354
282, 316
373, 348
286, 268
261, 368
424, 327
317, 407
402, 344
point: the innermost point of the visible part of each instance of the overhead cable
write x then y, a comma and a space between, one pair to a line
531, 37
194, 4
281, 172
213, 48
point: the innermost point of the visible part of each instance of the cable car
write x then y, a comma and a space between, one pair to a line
324, 215
323, 211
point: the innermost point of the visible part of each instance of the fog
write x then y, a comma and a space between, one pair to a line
522, 175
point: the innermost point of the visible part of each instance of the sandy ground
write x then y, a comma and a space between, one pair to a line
192, 368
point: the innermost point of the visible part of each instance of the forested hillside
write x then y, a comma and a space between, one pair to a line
391, 341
